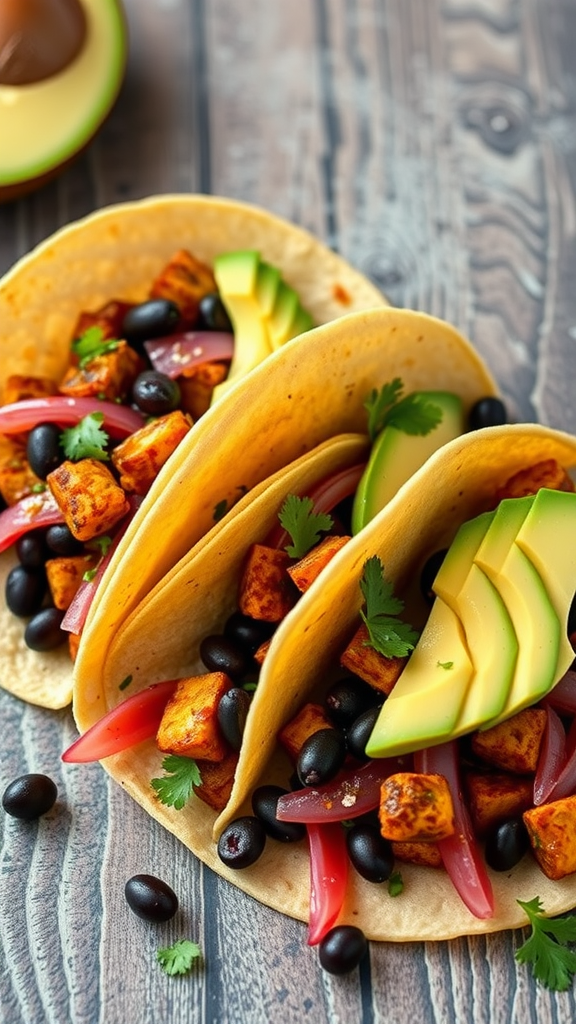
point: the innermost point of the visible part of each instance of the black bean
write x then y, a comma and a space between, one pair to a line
152, 319
232, 713
151, 898
487, 412
264, 804
31, 549
29, 796
342, 949
43, 632
242, 842
221, 654
321, 757
348, 698
25, 590
213, 314
155, 393
429, 573
506, 844
360, 731
62, 541
43, 449
248, 632
370, 853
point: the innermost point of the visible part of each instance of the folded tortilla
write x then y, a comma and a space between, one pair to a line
159, 638
115, 254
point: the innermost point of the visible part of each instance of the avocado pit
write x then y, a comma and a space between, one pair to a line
39, 38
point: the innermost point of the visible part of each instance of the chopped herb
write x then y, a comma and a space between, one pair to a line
38, 488
298, 518
125, 682
92, 344
90, 574
553, 964
101, 544
387, 633
412, 414
249, 686
445, 664
220, 510
395, 884
178, 958
86, 440
176, 787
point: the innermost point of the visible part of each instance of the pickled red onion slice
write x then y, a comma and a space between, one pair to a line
178, 353
17, 417
552, 757
30, 513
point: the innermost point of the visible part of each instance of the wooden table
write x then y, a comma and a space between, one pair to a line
432, 143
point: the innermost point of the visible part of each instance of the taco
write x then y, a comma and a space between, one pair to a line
89, 274
462, 480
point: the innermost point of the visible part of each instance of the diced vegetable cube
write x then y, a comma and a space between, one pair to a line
513, 745
426, 855
217, 780
495, 796
547, 473
189, 725
18, 388
109, 376
308, 568
265, 589
197, 385
552, 831
185, 281
141, 456
416, 806
65, 576
108, 318
310, 719
382, 673
90, 499
17, 479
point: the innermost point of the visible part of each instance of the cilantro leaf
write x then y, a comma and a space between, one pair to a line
412, 414
445, 664
176, 787
553, 965
395, 884
298, 518
92, 344
178, 958
387, 633
86, 440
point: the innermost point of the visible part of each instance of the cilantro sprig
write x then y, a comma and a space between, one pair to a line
298, 518
412, 413
178, 958
553, 964
87, 439
387, 633
92, 344
176, 786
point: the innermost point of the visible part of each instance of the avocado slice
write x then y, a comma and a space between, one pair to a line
535, 621
424, 705
288, 318
487, 625
48, 122
237, 276
396, 456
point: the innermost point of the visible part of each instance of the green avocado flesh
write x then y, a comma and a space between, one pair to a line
396, 456
264, 311
508, 578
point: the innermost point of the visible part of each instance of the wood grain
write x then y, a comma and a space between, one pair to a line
432, 143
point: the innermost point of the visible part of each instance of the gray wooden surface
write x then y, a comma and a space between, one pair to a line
433, 143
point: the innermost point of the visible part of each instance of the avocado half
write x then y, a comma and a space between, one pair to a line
45, 124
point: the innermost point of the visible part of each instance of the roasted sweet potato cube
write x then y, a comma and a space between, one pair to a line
310, 719
108, 318
196, 387
547, 473
189, 725
552, 831
306, 570
19, 387
17, 479
382, 673
265, 589
108, 376
416, 806
88, 496
495, 796
513, 745
65, 576
425, 855
73, 645
139, 458
217, 779
185, 281
262, 651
